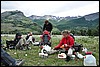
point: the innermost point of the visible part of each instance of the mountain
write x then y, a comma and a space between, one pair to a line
75, 23
53, 19
48, 17
14, 21
85, 22
92, 16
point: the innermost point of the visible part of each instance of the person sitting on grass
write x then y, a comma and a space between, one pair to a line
21, 42
66, 42
30, 38
18, 43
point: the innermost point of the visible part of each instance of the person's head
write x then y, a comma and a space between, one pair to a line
18, 35
65, 33
46, 21
30, 33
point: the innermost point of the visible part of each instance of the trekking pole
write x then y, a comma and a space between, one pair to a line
16, 52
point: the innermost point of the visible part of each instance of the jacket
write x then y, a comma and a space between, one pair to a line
48, 27
68, 40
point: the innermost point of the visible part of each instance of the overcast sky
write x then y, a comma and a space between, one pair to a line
55, 8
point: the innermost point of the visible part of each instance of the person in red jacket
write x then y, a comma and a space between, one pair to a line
66, 42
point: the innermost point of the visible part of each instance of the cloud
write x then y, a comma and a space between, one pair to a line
8, 5
57, 8
81, 9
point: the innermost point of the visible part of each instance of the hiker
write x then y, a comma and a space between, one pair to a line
30, 38
12, 43
20, 42
66, 42
47, 26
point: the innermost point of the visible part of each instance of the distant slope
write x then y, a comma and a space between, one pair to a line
76, 23
14, 21
87, 21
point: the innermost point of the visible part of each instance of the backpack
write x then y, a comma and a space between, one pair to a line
45, 38
77, 47
72, 36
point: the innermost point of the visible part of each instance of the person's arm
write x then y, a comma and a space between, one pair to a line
51, 27
60, 44
30, 38
44, 27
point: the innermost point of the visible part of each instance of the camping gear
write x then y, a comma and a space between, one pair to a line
43, 55
10, 44
7, 60
88, 53
62, 55
84, 49
70, 51
77, 47
89, 60
46, 47
80, 56
53, 51
36, 43
44, 51
45, 38
68, 58
72, 56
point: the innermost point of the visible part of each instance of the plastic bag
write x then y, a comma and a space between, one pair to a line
70, 51
89, 60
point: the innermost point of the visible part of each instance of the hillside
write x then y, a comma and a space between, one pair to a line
14, 21
76, 23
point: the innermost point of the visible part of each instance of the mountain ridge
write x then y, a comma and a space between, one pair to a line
17, 21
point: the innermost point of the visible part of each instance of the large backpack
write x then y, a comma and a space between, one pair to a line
72, 36
77, 47
46, 40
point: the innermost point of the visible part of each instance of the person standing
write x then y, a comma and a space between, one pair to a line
47, 26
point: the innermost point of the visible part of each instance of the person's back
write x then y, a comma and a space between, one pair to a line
46, 38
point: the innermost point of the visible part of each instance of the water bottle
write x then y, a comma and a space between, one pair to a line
89, 60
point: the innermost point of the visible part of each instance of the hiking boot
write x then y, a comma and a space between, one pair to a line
68, 58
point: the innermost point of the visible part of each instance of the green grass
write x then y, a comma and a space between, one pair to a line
33, 59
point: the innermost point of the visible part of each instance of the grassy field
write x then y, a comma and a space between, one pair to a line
33, 59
